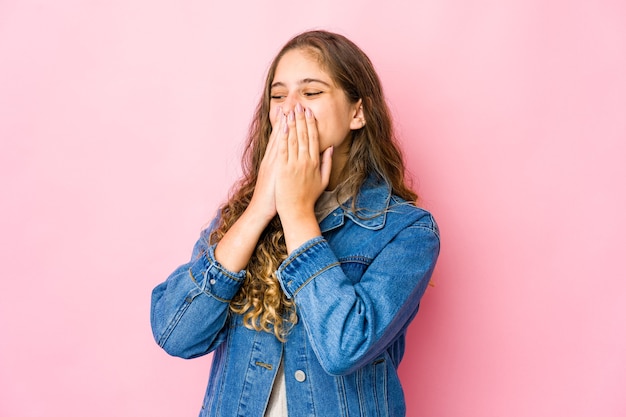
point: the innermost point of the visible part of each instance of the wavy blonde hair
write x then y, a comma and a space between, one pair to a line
373, 151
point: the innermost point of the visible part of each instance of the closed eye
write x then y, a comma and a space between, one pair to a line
306, 94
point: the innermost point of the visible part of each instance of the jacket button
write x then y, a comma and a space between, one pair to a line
212, 281
300, 376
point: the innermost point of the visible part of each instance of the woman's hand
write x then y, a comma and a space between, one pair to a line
236, 247
263, 202
302, 176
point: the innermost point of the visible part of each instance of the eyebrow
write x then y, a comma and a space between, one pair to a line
302, 81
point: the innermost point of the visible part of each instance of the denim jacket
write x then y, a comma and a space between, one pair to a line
356, 289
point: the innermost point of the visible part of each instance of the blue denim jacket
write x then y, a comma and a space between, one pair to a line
356, 289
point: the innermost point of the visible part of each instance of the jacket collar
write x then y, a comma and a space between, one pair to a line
371, 207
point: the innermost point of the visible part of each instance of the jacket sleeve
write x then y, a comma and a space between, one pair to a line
348, 323
189, 310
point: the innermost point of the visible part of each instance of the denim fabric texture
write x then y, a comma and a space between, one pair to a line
356, 289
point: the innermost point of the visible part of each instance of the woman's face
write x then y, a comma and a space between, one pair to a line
299, 78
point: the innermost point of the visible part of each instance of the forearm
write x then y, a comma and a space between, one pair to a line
190, 308
236, 247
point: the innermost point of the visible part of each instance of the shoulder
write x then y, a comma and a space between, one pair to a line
400, 210
413, 227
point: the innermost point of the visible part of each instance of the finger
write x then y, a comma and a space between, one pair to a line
302, 131
326, 165
292, 135
313, 139
282, 137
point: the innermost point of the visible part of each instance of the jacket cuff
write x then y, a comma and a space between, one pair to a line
213, 279
304, 264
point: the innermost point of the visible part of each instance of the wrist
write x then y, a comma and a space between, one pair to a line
235, 248
259, 214
299, 229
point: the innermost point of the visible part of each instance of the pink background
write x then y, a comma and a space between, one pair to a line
121, 125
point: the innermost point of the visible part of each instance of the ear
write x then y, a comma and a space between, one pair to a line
358, 119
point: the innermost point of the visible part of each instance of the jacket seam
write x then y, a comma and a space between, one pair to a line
316, 274
174, 322
434, 230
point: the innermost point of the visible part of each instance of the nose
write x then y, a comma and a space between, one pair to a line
289, 104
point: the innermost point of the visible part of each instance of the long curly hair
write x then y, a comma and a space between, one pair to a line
373, 151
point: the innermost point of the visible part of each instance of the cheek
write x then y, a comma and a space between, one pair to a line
316, 108
326, 126
321, 116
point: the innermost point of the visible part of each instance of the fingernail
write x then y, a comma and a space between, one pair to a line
291, 116
308, 113
298, 108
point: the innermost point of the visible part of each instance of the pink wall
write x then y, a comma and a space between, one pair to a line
120, 127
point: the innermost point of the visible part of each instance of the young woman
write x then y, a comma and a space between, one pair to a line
304, 284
